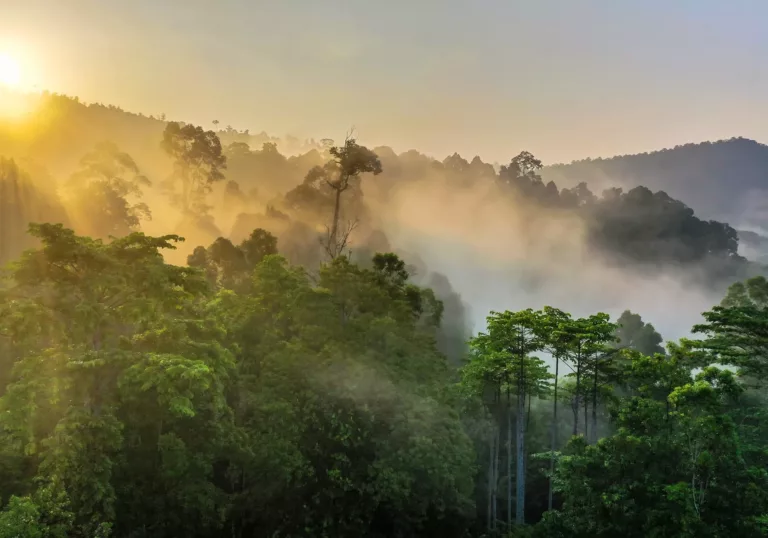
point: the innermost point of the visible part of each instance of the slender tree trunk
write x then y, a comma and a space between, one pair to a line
528, 419
576, 398
594, 404
554, 437
520, 506
586, 419
491, 442
496, 449
186, 189
496, 476
332, 239
509, 458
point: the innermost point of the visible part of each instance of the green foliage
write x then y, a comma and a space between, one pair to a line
116, 348
144, 401
230, 266
736, 331
20, 519
243, 395
340, 391
662, 473
636, 334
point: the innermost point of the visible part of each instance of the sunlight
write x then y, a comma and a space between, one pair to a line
10, 71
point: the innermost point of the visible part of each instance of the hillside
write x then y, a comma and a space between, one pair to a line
57, 130
643, 228
725, 180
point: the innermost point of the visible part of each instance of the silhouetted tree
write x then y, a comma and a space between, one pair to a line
198, 163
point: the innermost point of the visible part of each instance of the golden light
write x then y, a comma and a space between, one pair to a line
10, 71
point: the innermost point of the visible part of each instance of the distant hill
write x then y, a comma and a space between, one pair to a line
725, 180
56, 131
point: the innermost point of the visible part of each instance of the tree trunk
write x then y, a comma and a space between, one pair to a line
554, 436
576, 399
496, 476
520, 506
594, 405
491, 442
186, 189
509, 458
586, 419
332, 239
528, 419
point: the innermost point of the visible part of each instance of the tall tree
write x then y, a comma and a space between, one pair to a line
506, 349
230, 266
587, 339
555, 334
104, 194
346, 164
198, 163
634, 333
736, 331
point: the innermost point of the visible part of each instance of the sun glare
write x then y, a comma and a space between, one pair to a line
10, 72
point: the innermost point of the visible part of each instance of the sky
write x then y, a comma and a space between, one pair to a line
564, 79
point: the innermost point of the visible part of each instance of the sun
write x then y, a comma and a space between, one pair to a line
10, 72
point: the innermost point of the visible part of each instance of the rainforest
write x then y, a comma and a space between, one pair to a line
344, 269
207, 332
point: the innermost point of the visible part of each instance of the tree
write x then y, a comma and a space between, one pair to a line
104, 194
348, 428
554, 332
344, 168
524, 166
503, 354
198, 163
230, 266
112, 349
652, 478
587, 339
736, 331
604, 374
22, 200
636, 334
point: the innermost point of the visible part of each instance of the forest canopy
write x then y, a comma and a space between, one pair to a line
142, 398
276, 362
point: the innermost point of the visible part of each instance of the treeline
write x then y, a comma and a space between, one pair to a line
722, 180
636, 228
252, 398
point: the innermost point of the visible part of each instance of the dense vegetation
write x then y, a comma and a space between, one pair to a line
301, 376
723, 180
146, 399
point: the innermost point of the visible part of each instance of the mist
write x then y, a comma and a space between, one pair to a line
503, 254
498, 250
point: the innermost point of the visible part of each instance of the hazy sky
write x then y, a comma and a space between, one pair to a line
564, 79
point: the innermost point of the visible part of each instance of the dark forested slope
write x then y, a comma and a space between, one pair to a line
725, 180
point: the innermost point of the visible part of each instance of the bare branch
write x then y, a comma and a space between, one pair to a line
334, 247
